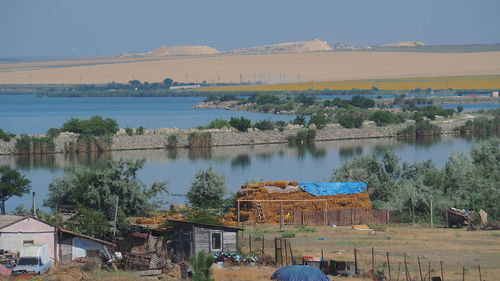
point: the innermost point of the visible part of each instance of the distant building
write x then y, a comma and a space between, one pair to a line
494, 94
189, 238
184, 87
64, 245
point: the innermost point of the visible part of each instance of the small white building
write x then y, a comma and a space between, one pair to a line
494, 94
63, 245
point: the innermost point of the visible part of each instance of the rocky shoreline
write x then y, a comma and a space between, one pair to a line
158, 138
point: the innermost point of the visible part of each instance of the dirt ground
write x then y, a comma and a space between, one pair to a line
456, 248
269, 68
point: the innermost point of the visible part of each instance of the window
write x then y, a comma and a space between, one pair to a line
28, 242
216, 241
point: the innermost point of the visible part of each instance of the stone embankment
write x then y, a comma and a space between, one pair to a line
158, 138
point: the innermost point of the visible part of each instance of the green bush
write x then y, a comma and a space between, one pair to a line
95, 126
53, 133
241, 124
264, 125
305, 136
319, 120
218, 124
288, 235
384, 117
201, 266
6, 136
172, 141
129, 131
140, 130
299, 120
350, 120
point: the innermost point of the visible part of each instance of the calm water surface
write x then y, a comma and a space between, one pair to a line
238, 163
31, 115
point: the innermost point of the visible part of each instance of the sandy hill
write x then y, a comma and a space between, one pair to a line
165, 51
405, 44
290, 47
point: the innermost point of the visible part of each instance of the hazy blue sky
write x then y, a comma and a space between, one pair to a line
109, 27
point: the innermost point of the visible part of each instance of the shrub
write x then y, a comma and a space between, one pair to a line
288, 235
420, 129
299, 120
218, 124
140, 130
362, 102
319, 120
96, 126
481, 126
6, 136
34, 145
53, 133
172, 141
384, 117
350, 120
129, 131
241, 124
264, 125
200, 139
305, 136
201, 265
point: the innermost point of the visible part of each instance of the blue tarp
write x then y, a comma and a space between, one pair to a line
299, 273
332, 188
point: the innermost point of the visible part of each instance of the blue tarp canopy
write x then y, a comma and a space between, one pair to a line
332, 188
299, 273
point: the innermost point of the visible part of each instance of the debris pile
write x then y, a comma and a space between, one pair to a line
289, 190
236, 258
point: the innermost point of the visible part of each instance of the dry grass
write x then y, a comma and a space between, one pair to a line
455, 247
445, 82
269, 68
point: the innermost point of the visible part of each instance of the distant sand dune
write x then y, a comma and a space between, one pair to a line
269, 68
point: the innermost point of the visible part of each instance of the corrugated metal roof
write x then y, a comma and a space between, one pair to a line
6, 220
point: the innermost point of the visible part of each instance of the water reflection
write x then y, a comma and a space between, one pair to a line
241, 161
350, 151
238, 163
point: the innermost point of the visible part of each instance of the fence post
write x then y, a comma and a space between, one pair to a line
373, 264
355, 262
389, 266
249, 243
263, 242
281, 215
479, 269
238, 213
442, 275
420, 269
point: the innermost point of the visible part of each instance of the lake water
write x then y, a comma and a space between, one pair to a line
28, 114
238, 163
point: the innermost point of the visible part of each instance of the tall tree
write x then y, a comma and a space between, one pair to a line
12, 183
208, 189
98, 188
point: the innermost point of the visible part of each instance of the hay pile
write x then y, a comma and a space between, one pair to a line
158, 220
261, 191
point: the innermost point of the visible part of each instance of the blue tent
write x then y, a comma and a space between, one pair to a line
332, 188
299, 273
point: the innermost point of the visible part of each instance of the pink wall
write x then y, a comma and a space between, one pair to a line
12, 236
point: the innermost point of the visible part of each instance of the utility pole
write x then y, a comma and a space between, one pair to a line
116, 217
33, 205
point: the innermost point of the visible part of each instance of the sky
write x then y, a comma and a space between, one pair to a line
111, 27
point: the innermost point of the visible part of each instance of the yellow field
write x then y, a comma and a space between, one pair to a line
445, 82
298, 68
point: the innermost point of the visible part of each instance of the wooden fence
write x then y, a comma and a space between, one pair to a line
339, 217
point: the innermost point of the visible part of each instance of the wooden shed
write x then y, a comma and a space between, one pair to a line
190, 238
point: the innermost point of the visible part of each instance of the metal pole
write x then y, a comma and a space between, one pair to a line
442, 275
479, 269
281, 215
355, 262
263, 242
250, 243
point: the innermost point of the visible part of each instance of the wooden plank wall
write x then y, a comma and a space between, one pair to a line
339, 217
